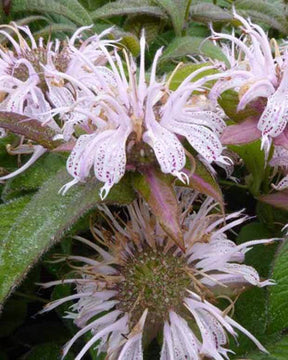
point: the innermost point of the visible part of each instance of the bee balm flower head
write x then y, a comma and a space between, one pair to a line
259, 70
146, 285
135, 121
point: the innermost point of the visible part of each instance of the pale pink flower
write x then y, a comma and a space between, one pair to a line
280, 163
27, 86
125, 113
144, 283
257, 71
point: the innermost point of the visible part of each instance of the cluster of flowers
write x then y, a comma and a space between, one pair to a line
112, 116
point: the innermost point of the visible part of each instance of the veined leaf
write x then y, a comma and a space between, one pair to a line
44, 221
271, 13
177, 12
129, 40
207, 12
151, 24
31, 129
71, 9
185, 70
52, 28
189, 45
130, 7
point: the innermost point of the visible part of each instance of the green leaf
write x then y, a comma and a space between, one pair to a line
13, 316
262, 255
31, 129
7, 162
277, 309
54, 28
207, 12
278, 350
47, 351
151, 24
185, 70
44, 221
33, 177
229, 101
9, 212
177, 12
188, 45
71, 9
254, 160
271, 13
129, 40
251, 307
130, 7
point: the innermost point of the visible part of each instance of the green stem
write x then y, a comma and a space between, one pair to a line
184, 31
31, 297
231, 183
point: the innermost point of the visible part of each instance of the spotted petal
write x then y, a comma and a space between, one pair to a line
274, 118
167, 148
262, 88
110, 157
202, 139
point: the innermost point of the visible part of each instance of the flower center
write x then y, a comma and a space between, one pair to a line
153, 280
37, 57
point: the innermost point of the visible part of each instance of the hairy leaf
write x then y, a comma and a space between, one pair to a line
31, 129
130, 7
271, 13
206, 12
189, 45
44, 221
71, 9
185, 70
177, 12
9, 212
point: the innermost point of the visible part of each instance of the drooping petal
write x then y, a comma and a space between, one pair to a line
275, 116
242, 133
81, 158
38, 151
261, 88
167, 148
282, 185
202, 139
110, 158
132, 350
